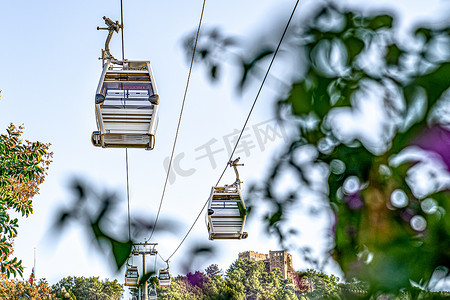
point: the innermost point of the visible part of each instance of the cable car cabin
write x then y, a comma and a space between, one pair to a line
164, 278
126, 106
132, 276
226, 213
152, 295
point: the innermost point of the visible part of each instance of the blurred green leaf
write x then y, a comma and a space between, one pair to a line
358, 160
145, 277
312, 135
381, 21
425, 32
354, 46
203, 53
299, 99
320, 98
121, 251
275, 218
214, 70
435, 83
393, 54
403, 139
349, 20
248, 66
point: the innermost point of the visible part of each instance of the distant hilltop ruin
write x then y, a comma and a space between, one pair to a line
275, 259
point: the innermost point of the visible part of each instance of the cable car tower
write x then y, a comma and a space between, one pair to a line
226, 210
132, 273
126, 100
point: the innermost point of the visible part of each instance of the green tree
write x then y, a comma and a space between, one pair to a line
184, 288
251, 280
236, 278
244, 279
213, 271
22, 289
23, 166
271, 284
319, 285
88, 288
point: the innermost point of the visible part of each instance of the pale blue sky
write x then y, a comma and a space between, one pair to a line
49, 75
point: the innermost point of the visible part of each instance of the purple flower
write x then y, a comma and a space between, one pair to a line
407, 214
333, 227
196, 279
354, 201
436, 139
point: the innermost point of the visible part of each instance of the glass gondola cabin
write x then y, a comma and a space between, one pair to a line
152, 295
126, 106
132, 276
164, 278
226, 213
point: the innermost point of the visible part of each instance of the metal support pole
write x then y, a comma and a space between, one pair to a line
34, 264
145, 272
144, 249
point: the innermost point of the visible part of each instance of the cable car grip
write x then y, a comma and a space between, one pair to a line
111, 27
235, 164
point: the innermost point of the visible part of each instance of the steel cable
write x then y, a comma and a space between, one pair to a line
179, 121
245, 124
126, 149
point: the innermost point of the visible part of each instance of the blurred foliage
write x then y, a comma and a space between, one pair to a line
99, 215
211, 45
93, 212
23, 167
386, 191
376, 239
87, 288
197, 254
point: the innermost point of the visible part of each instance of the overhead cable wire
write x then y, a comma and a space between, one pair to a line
245, 124
166, 261
121, 25
126, 149
259, 91
128, 195
179, 121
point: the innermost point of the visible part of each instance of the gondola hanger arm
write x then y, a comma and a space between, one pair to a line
234, 164
111, 27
